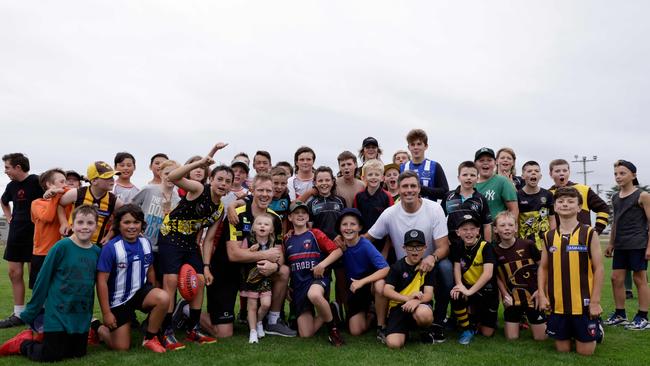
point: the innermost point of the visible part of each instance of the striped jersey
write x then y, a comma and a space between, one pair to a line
570, 274
303, 252
127, 265
105, 206
517, 269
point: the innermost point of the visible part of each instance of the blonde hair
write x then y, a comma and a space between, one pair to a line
372, 164
253, 237
511, 152
501, 216
168, 163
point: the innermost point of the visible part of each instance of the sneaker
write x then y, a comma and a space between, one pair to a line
600, 332
638, 323
252, 337
335, 337
280, 329
438, 333
11, 321
154, 345
466, 337
93, 337
179, 320
170, 342
427, 338
615, 319
260, 330
12, 346
196, 335
381, 335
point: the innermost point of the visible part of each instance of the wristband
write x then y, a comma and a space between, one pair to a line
207, 265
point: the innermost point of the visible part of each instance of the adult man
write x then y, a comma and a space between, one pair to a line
414, 212
222, 267
21, 191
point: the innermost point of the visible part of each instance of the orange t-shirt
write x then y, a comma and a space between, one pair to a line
46, 223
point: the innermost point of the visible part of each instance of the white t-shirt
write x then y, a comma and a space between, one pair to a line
298, 186
395, 222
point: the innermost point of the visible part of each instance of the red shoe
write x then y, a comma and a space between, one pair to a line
38, 337
154, 345
12, 346
93, 337
196, 335
170, 342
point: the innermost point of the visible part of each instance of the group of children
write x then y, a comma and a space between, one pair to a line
293, 228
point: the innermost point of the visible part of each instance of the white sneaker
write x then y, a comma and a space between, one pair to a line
252, 337
260, 330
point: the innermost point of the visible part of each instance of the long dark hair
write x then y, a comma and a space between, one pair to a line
132, 209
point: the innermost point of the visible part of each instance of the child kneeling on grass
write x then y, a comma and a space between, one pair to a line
365, 270
410, 292
571, 272
255, 287
124, 283
517, 261
65, 287
309, 253
474, 299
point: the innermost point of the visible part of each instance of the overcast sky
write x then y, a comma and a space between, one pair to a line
81, 80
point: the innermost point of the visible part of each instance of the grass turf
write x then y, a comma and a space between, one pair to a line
621, 347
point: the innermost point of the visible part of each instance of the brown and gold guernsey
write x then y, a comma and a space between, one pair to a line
570, 274
104, 205
517, 269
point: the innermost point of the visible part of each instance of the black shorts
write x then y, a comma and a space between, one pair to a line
483, 308
360, 301
300, 302
21, 253
630, 259
222, 293
126, 312
566, 327
156, 267
399, 321
513, 314
56, 346
172, 257
37, 263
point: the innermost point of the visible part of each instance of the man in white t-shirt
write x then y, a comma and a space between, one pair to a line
414, 212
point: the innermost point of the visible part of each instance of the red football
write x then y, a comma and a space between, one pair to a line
188, 282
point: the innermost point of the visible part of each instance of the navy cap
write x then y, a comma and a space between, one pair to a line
631, 167
369, 141
414, 237
348, 212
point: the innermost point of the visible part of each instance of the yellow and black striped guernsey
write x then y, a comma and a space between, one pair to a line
517, 269
104, 205
570, 275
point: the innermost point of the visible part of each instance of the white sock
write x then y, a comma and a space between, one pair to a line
18, 309
273, 317
260, 330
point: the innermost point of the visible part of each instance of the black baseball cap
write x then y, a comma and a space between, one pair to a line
414, 238
484, 151
469, 218
296, 205
631, 167
72, 173
348, 212
369, 141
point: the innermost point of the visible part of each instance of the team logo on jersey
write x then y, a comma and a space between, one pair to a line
552, 249
543, 200
474, 207
246, 228
405, 275
21, 194
306, 244
121, 265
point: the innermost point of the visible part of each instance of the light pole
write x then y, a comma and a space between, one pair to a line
584, 160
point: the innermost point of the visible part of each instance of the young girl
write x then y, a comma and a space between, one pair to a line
255, 286
506, 166
369, 150
199, 174
400, 157
300, 183
517, 262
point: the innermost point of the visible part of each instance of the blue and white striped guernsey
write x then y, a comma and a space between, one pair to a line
127, 264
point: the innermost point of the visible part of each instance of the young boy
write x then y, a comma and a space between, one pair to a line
497, 189
474, 299
124, 284
262, 162
466, 200
391, 173
125, 165
535, 206
97, 194
154, 166
73, 179
65, 290
410, 292
308, 254
571, 251
347, 185
432, 176
281, 200
45, 219
373, 200
628, 244
303, 181
21, 192
560, 171
239, 189
365, 270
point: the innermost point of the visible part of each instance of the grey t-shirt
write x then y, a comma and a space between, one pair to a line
155, 207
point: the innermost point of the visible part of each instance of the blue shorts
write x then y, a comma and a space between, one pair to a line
172, 257
300, 302
566, 327
630, 260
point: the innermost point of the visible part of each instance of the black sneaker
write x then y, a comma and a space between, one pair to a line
427, 338
11, 321
600, 332
438, 333
179, 320
335, 337
381, 335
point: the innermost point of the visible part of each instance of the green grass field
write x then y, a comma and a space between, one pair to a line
621, 347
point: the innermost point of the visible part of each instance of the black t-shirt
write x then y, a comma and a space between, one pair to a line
371, 206
401, 274
456, 208
324, 211
21, 194
470, 269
